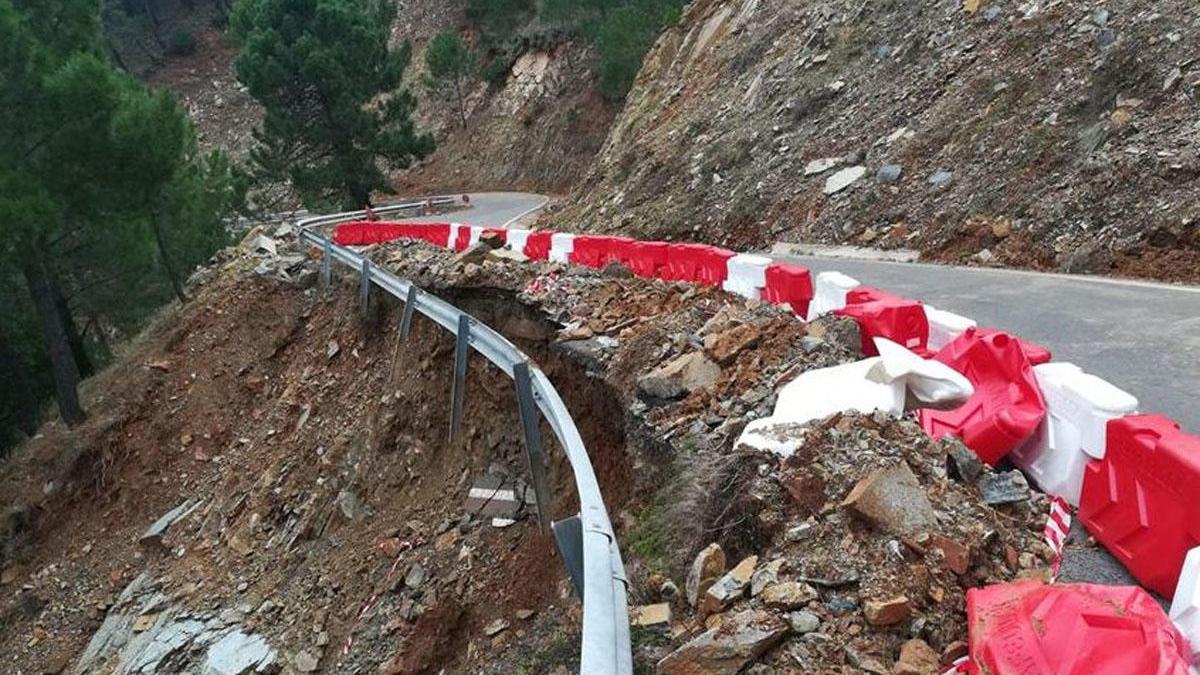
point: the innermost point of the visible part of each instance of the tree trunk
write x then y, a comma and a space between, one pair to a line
168, 267
82, 361
462, 106
62, 362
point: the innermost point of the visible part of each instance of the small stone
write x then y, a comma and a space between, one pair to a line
892, 500
679, 377
415, 576
333, 349
1007, 487
765, 576
887, 612
1172, 79
788, 595
985, 256
669, 590
495, 627
954, 651
144, 623
729, 647
916, 658
889, 173
962, 462
939, 178
820, 165
525, 614
615, 270
958, 556
844, 179
708, 566
306, 661
803, 622
729, 588
650, 616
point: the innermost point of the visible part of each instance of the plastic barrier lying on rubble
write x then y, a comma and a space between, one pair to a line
945, 327
881, 314
1140, 500
830, 293
1185, 607
1031, 628
1007, 405
1078, 408
789, 285
881, 383
747, 275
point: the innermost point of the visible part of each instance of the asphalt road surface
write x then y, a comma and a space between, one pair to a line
1142, 337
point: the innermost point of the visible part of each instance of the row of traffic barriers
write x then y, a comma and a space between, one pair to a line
586, 541
1132, 477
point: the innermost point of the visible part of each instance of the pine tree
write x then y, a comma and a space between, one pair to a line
450, 63
330, 85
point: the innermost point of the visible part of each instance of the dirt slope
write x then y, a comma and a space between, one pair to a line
1057, 135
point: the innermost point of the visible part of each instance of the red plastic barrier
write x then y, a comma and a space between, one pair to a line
647, 258
537, 245
1037, 354
1140, 500
365, 233
463, 238
591, 250
1030, 628
881, 314
697, 263
1007, 405
789, 284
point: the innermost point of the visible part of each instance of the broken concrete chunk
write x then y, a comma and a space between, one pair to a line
708, 566
154, 535
679, 377
727, 649
892, 500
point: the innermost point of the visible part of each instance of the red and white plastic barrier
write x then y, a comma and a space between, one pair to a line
830, 293
562, 245
1185, 606
881, 314
789, 285
1078, 408
945, 327
747, 275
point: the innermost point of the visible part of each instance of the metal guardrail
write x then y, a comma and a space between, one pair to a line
586, 541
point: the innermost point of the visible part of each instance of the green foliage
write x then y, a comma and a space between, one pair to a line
449, 63
623, 39
100, 184
182, 43
496, 70
330, 85
499, 20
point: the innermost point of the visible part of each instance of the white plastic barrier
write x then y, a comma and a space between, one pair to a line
476, 231
747, 275
945, 326
562, 244
829, 293
454, 230
1078, 408
1185, 607
516, 240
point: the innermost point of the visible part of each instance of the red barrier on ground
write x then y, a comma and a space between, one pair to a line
462, 238
881, 314
1030, 628
365, 233
647, 258
591, 250
537, 245
1037, 354
1140, 500
1007, 405
789, 284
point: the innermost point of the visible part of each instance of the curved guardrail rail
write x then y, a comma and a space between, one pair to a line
586, 541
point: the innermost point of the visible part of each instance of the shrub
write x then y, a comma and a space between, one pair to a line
182, 43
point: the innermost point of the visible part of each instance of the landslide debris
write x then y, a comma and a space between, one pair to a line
1049, 135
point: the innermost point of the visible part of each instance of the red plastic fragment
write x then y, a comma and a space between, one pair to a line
1030, 628
1007, 405
791, 285
1037, 354
1140, 500
881, 314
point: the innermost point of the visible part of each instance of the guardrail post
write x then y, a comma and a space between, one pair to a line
327, 266
410, 305
533, 441
364, 288
459, 385
568, 534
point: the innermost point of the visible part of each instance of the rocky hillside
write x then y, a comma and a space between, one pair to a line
1055, 135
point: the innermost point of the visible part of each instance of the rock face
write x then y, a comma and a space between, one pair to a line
708, 566
893, 501
680, 377
727, 648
